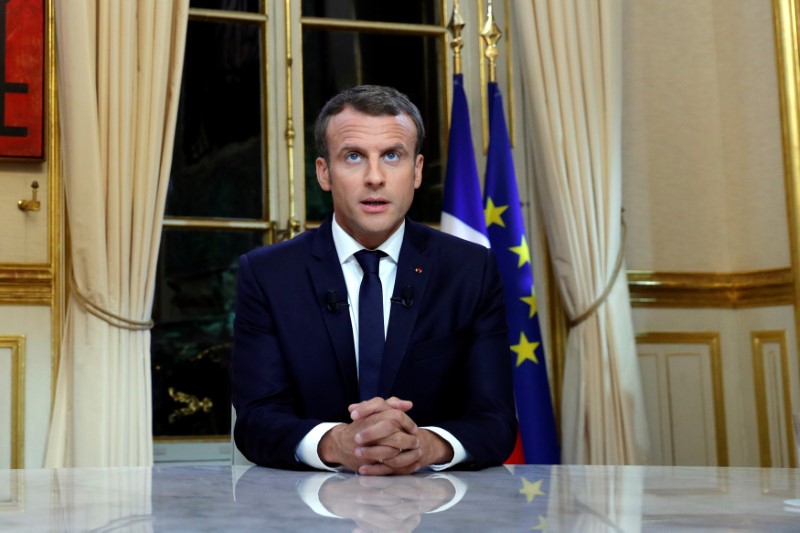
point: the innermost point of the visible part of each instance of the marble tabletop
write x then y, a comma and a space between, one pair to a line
521, 498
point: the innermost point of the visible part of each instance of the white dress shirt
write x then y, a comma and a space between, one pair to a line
346, 247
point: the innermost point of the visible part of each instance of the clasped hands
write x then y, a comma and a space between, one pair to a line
382, 440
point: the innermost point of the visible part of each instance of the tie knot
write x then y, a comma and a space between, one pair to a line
369, 260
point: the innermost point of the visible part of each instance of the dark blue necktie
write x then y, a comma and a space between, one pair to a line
370, 324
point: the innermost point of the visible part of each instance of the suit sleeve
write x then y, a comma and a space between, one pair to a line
488, 427
267, 428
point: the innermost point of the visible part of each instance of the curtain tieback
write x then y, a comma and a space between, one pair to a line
105, 315
609, 285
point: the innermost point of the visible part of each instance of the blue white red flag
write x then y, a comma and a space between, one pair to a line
462, 211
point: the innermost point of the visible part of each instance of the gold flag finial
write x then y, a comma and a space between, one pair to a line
456, 26
491, 35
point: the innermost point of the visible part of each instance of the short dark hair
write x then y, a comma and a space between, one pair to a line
373, 100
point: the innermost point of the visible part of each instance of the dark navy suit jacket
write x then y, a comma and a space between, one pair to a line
293, 363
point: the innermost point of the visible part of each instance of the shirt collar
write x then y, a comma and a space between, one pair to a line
346, 245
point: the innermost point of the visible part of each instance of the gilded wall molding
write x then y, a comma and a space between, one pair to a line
760, 377
26, 284
55, 221
785, 16
761, 288
16, 343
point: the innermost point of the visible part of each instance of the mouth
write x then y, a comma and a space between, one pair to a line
374, 205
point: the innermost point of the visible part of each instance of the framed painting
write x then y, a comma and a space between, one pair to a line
22, 49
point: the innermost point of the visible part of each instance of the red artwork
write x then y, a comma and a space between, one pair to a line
22, 78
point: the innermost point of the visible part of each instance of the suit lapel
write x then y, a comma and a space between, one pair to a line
413, 269
326, 274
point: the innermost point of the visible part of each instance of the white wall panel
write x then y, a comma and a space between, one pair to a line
739, 399
6, 399
34, 323
691, 400
678, 376
12, 394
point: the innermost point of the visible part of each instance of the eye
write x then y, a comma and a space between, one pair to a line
392, 156
352, 157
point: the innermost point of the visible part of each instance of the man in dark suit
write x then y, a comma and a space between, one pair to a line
439, 393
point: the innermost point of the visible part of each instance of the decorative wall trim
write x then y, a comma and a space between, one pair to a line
762, 389
712, 340
17, 345
787, 53
26, 284
55, 202
760, 288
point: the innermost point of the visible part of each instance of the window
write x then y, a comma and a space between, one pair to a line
215, 211
232, 186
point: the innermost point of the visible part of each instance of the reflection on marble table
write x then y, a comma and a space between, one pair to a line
521, 498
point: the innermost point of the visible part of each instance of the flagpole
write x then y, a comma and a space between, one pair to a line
491, 35
462, 204
455, 26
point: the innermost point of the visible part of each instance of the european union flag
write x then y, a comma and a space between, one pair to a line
507, 237
462, 212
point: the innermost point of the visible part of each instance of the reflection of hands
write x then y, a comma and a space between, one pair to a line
385, 504
382, 440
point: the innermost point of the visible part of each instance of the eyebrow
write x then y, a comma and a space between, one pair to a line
399, 147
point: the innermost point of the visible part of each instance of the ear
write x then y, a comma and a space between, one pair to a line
323, 174
418, 171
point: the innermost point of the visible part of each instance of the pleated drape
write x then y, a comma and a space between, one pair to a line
119, 72
572, 78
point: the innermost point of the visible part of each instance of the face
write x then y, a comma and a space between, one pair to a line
372, 173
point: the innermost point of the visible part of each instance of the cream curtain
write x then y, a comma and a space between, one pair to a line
119, 73
572, 77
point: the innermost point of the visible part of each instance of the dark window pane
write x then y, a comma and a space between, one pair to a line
217, 168
335, 60
227, 5
192, 339
407, 11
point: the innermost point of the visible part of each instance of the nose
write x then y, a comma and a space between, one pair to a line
374, 177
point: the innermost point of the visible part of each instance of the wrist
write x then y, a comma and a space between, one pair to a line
328, 448
439, 450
